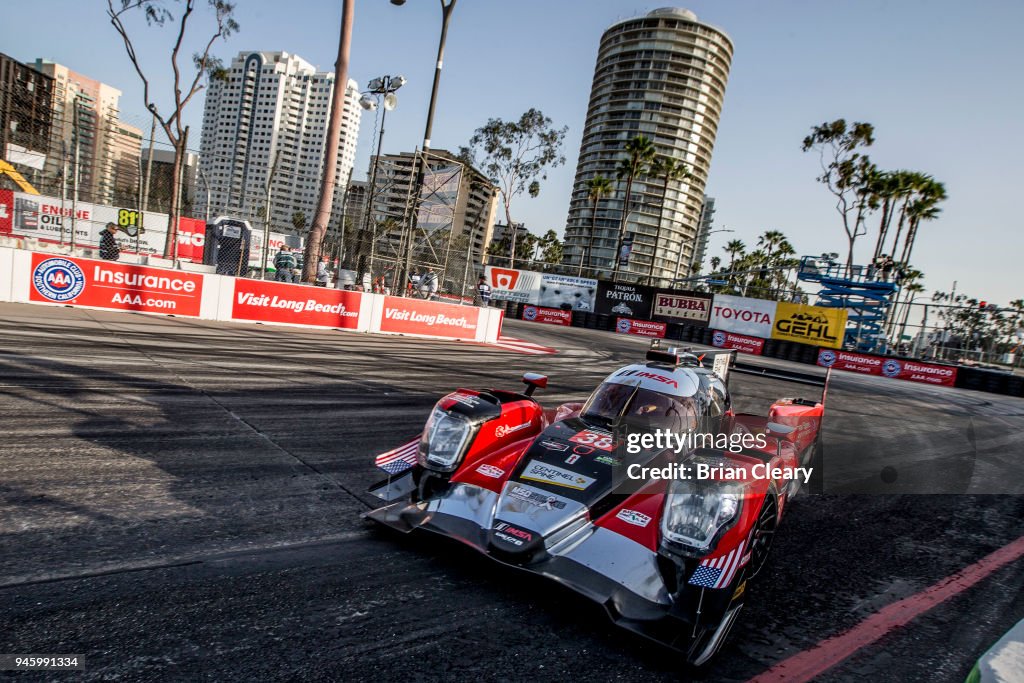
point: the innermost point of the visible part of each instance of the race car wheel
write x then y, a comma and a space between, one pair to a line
764, 533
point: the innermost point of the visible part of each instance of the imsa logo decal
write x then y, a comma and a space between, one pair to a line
58, 279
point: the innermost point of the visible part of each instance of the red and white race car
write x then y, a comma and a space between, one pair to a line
652, 497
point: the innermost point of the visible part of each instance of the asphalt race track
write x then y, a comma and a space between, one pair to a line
180, 500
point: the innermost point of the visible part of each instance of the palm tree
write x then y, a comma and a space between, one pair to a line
734, 248
769, 240
924, 208
911, 183
668, 169
639, 153
715, 262
598, 188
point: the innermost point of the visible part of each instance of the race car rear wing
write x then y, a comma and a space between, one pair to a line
725, 361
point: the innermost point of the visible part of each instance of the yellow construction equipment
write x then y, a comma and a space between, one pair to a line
19, 180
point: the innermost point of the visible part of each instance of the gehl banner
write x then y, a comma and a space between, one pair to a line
809, 324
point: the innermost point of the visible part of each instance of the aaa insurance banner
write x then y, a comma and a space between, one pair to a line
867, 364
816, 325
415, 316
740, 342
742, 315
551, 316
279, 302
641, 328
117, 286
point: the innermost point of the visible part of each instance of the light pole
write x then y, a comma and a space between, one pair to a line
693, 254
446, 14
386, 86
202, 176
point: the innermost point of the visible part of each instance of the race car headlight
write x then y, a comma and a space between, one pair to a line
697, 511
444, 440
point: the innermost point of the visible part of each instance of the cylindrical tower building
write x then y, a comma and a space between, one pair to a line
662, 75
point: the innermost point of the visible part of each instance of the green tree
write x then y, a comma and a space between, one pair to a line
183, 86
668, 169
849, 175
516, 155
598, 188
639, 154
298, 222
551, 249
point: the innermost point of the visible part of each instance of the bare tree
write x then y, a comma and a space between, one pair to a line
185, 87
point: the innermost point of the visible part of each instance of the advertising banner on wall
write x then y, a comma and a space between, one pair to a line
909, 370
551, 316
415, 316
279, 302
6, 211
566, 292
863, 363
742, 315
641, 328
693, 308
52, 220
622, 299
740, 342
815, 325
118, 286
509, 284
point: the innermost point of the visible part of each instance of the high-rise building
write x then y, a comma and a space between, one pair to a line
661, 75
266, 123
456, 200
707, 219
87, 132
26, 117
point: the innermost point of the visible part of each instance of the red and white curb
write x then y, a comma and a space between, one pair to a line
522, 346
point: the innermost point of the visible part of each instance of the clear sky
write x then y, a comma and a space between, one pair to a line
941, 81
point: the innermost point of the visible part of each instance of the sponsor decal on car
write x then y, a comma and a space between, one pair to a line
511, 534
608, 460
504, 430
633, 517
572, 459
549, 474
589, 437
548, 502
554, 445
491, 471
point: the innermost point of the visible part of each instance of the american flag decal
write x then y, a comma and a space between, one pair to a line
718, 572
398, 459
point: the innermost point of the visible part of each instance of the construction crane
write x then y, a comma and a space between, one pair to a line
19, 180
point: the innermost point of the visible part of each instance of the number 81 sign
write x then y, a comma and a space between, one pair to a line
129, 221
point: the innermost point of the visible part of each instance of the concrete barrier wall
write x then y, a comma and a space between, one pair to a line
58, 280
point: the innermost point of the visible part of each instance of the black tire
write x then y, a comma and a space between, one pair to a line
763, 533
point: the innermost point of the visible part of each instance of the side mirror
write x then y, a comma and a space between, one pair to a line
534, 381
779, 428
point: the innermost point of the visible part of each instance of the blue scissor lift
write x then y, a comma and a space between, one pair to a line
867, 299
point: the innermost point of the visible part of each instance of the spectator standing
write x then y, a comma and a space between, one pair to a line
323, 275
428, 284
284, 264
483, 291
109, 248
